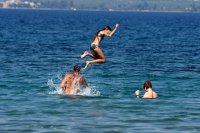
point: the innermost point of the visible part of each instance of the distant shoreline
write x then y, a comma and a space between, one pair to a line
92, 10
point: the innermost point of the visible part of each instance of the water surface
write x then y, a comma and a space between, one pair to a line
38, 47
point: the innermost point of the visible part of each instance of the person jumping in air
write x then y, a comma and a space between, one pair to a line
97, 52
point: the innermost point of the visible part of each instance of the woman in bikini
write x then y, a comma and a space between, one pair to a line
98, 55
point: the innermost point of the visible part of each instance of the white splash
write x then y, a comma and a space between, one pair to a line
55, 89
89, 92
77, 90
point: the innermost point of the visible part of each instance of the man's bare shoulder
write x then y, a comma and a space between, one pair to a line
68, 75
81, 77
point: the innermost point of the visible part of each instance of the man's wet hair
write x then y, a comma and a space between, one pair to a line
77, 68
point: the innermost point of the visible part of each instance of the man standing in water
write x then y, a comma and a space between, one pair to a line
72, 83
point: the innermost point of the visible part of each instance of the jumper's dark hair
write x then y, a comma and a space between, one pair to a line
77, 68
106, 28
147, 85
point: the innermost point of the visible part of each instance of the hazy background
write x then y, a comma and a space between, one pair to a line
111, 5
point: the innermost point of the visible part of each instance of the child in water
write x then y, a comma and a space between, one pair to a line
149, 92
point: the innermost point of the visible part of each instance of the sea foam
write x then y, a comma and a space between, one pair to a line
88, 91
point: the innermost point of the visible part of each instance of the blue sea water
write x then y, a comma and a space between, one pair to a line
38, 47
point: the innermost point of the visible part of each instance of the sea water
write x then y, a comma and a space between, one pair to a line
38, 47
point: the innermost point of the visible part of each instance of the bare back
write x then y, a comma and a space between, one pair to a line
150, 94
71, 83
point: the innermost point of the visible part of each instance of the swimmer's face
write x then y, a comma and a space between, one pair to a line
107, 31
